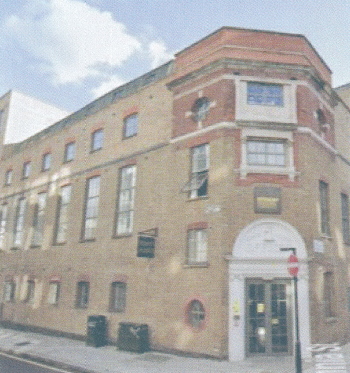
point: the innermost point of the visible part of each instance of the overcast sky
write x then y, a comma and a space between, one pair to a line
68, 52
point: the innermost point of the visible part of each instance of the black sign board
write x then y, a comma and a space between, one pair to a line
146, 246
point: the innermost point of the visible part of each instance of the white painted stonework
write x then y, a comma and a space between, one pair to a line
256, 254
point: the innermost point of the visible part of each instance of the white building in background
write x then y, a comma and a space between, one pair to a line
22, 116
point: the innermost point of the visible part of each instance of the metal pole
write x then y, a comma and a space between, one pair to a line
298, 364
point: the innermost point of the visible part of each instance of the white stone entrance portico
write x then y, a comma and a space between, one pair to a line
256, 255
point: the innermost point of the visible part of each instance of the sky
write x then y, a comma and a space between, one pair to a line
70, 52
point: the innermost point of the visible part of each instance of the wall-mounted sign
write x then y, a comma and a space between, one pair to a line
318, 246
267, 200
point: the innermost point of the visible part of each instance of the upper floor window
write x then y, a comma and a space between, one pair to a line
264, 94
266, 152
197, 242
26, 170
328, 294
19, 223
69, 151
97, 140
39, 220
3, 224
196, 314
91, 208
8, 177
63, 214
345, 217
198, 184
46, 162
125, 211
200, 109
131, 125
324, 207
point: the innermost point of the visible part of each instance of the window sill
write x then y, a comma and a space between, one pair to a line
126, 235
326, 237
87, 240
196, 265
244, 171
95, 150
59, 243
331, 320
197, 198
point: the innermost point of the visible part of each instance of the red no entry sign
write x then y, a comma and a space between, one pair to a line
293, 265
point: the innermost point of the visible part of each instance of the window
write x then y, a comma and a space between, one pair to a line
198, 184
9, 291
46, 162
54, 292
26, 170
200, 109
39, 220
266, 152
328, 294
118, 297
126, 199
196, 314
19, 223
82, 298
30, 291
91, 208
197, 246
62, 214
345, 217
131, 125
3, 223
324, 205
8, 177
97, 140
264, 94
1, 117
69, 151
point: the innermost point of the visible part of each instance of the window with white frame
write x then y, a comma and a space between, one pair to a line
69, 151
131, 125
54, 292
125, 211
264, 94
19, 223
345, 217
200, 109
8, 177
118, 297
63, 214
97, 140
39, 220
9, 291
198, 183
26, 170
3, 224
46, 162
82, 296
91, 208
266, 152
197, 246
30, 291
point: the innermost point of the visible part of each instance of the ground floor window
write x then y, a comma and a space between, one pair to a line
82, 298
196, 314
54, 292
118, 297
9, 291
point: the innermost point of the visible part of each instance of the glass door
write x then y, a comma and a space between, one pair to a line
268, 326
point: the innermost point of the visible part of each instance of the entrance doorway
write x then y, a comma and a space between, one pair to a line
268, 322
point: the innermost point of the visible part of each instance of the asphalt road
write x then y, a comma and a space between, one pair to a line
9, 364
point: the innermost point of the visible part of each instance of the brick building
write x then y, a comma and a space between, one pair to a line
166, 202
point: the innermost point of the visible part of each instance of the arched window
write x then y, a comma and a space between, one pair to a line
196, 314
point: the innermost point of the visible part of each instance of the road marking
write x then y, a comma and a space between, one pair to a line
34, 363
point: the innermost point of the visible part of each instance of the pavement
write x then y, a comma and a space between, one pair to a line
76, 356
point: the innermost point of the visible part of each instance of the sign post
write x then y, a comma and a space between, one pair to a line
293, 269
